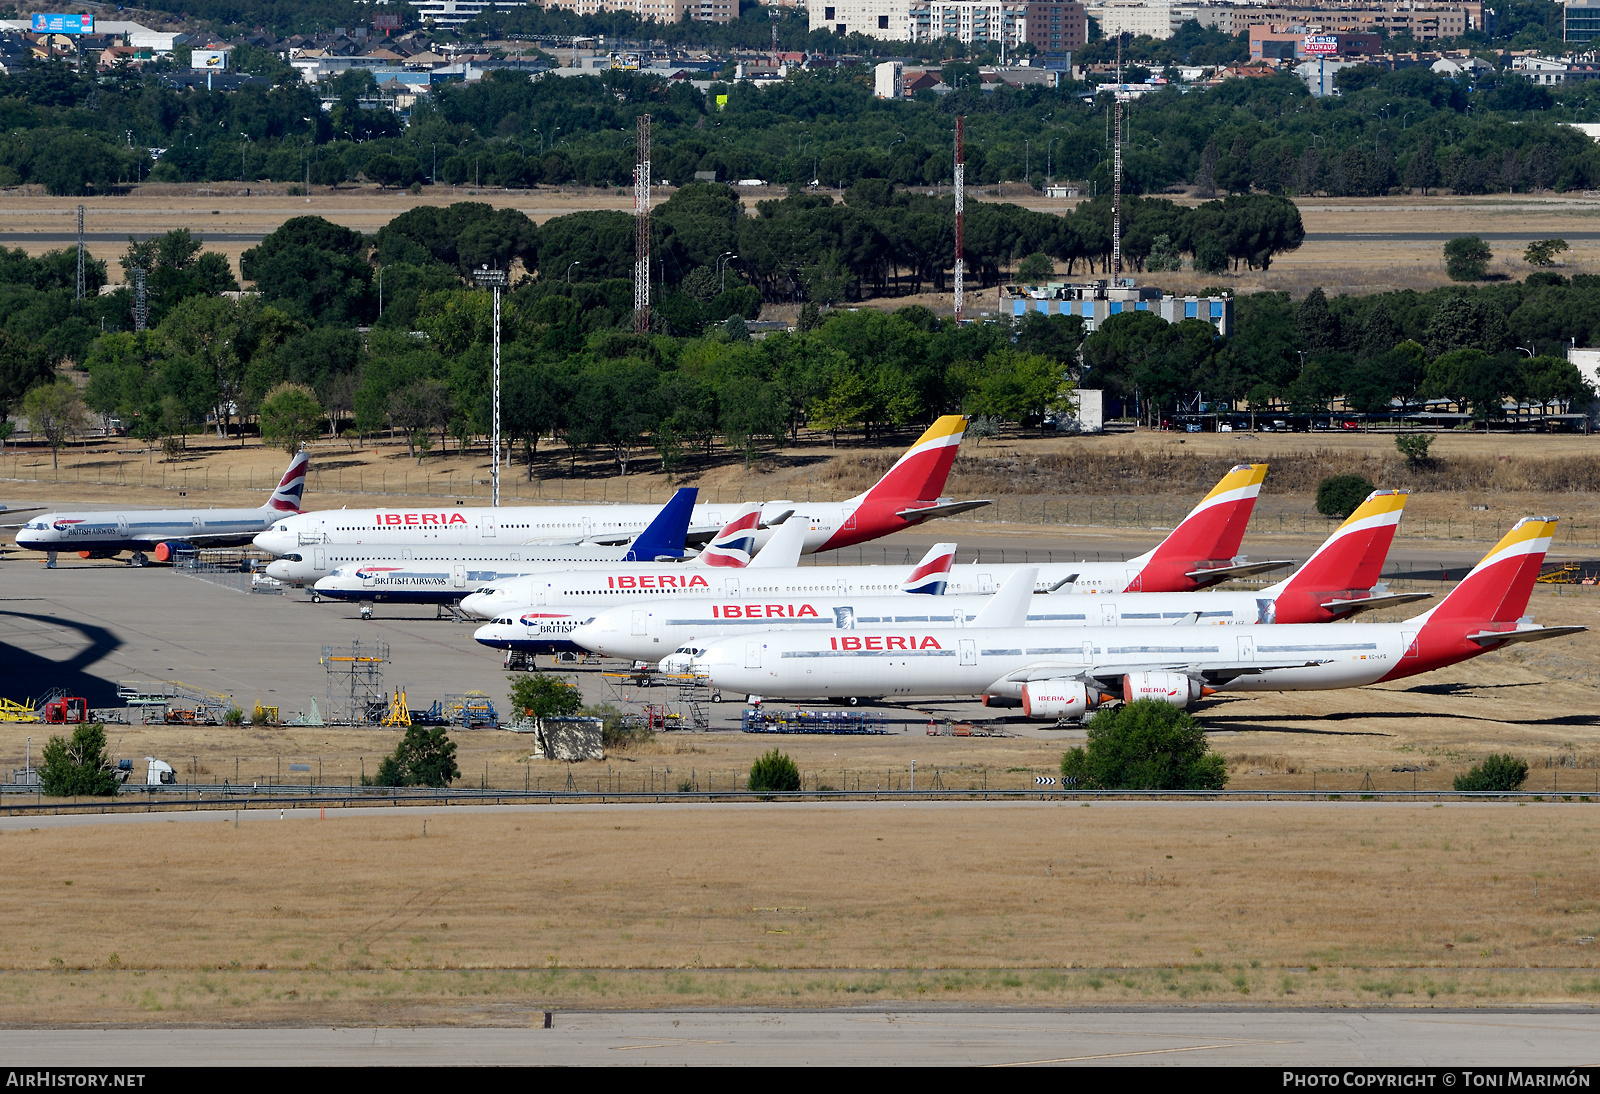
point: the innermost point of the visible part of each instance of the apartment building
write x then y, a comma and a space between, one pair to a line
1054, 27
1423, 22
888, 20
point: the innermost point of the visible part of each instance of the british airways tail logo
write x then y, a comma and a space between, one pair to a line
373, 571
65, 525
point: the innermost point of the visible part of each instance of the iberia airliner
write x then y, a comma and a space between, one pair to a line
908, 494
1067, 671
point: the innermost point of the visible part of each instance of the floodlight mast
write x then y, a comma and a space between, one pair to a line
494, 280
641, 228
961, 188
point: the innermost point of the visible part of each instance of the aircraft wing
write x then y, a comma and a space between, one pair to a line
610, 539
8, 510
1211, 575
921, 513
212, 539
1214, 672
570, 542
1521, 634
1373, 603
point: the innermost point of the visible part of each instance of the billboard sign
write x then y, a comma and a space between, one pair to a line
214, 60
1320, 45
59, 23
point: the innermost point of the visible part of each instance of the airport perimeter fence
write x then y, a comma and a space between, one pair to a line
220, 798
474, 488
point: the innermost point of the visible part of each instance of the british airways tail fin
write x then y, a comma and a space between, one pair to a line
736, 543
932, 574
292, 487
664, 536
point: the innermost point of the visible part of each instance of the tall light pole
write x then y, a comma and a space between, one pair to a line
722, 270
380, 290
495, 280
571, 264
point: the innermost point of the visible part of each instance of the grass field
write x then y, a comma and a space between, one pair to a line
482, 918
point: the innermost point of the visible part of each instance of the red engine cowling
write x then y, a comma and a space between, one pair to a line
1057, 699
1164, 687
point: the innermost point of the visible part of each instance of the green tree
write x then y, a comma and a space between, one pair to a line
290, 416
774, 771
1466, 258
24, 364
78, 767
538, 696
1340, 495
1414, 447
1145, 745
1035, 268
1499, 772
55, 415
424, 757
1542, 252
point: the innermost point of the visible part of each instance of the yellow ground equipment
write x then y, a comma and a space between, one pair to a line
399, 714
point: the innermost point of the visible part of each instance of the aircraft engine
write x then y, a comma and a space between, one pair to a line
1057, 699
165, 551
1164, 687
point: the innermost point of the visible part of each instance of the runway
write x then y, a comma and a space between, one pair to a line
992, 1038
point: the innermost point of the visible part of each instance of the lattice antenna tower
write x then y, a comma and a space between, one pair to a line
641, 228
774, 13
141, 313
80, 252
1116, 174
961, 192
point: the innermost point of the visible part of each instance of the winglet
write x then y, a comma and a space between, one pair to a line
664, 536
932, 574
1008, 607
782, 549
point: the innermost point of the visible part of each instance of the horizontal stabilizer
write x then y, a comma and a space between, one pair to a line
1212, 574
779, 519
610, 539
1373, 603
1068, 580
1213, 671
917, 513
1521, 634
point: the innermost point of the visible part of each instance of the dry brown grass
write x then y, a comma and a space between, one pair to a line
362, 917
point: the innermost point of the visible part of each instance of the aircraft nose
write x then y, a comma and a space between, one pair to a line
471, 603
279, 570
489, 635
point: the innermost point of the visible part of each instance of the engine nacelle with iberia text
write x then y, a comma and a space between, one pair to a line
1172, 688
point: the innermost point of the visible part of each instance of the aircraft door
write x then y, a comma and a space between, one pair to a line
122, 526
986, 583
752, 655
730, 586
459, 576
1108, 615
587, 528
488, 527
969, 651
1088, 653
1247, 647
1408, 640
641, 622
319, 558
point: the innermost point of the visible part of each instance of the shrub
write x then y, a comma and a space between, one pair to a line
1145, 745
774, 771
424, 757
1035, 267
1500, 772
1340, 495
1466, 258
617, 733
80, 767
1542, 252
233, 717
540, 696
1414, 447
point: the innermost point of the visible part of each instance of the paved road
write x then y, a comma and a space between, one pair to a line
122, 237
1402, 237
1545, 1038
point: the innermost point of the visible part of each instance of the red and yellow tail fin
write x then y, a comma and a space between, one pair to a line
920, 474
1212, 531
1498, 588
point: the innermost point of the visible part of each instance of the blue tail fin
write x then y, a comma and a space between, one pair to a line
665, 535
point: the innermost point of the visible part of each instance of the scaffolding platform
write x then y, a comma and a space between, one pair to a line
172, 701
838, 723
356, 693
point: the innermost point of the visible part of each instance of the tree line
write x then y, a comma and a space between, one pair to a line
1407, 130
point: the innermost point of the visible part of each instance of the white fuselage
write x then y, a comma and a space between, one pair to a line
912, 660
597, 587
649, 629
142, 529
477, 565
351, 531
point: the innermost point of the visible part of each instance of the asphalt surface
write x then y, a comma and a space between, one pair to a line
994, 1038
1401, 237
